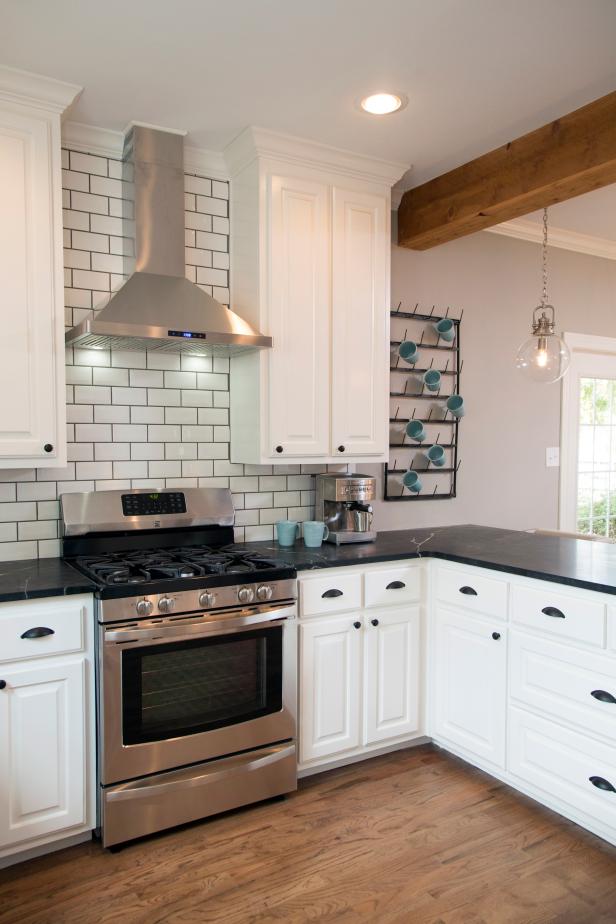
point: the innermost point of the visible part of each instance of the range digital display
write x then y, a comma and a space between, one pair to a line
155, 504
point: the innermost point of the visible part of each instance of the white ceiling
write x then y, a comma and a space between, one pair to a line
477, 72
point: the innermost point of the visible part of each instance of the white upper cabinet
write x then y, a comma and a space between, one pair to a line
360, 328
310, 267
32, 401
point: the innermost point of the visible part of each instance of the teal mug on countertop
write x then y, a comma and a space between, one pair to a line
287, 532
315, 533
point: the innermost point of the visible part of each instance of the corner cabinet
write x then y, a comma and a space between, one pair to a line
32, 399
310, 267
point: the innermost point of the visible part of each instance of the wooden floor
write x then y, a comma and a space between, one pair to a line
411, 837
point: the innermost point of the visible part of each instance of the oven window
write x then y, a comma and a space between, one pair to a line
188, 687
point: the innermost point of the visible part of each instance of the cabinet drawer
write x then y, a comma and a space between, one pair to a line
392, 586
565, 616
332, 593
564, 765
572, 685
473, 591
32, 629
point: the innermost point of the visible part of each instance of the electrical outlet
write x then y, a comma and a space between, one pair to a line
552, 457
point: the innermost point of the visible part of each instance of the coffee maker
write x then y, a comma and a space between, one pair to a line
343, 504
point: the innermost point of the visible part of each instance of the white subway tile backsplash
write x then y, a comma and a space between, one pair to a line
139, 419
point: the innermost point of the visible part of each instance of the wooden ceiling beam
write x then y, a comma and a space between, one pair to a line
570, 156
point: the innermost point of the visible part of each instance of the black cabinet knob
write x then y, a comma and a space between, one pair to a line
496, 636
374, 622
2, 684
357, 625
340, 448
278, 448
48, 447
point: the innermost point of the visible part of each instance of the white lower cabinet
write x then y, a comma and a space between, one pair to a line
42, 749
391, 674
46, 722
330, 652
359, 681
470, 684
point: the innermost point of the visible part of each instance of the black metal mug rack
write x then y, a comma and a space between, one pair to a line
408, 403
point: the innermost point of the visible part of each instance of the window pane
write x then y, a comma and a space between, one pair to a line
596, 487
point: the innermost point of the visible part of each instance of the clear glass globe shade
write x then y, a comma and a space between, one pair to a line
544, 359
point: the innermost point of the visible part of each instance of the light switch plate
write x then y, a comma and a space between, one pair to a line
552, 457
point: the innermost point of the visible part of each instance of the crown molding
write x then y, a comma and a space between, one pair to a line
35, 90
525, 230
256, 142
107, 143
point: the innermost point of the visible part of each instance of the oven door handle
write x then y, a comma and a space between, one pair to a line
187, 629
188, 779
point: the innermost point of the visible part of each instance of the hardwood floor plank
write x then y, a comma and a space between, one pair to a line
414, 837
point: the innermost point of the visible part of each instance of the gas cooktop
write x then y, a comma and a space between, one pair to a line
141, 566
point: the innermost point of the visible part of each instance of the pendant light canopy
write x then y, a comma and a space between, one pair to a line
544, 357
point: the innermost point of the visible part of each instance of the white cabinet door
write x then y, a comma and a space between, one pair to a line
330, 695
31, 311
391, 679
299, 305
360, 329
42, 749
470, 661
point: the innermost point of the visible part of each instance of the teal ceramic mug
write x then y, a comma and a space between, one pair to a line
412, 481
408, 352
415, 431
455, 405
315, 533
287, 532
432, 379
436, 455
445, 329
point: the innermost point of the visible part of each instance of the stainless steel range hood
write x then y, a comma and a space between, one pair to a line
157, 308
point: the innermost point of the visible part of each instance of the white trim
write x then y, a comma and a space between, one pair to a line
525, 230
578, 344
256, 142
90, 139
18, 86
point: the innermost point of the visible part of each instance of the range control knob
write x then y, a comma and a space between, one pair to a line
264, 592
166, 604
245, 595
144, 607
207, 599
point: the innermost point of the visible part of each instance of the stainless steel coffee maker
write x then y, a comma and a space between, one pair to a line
343, 504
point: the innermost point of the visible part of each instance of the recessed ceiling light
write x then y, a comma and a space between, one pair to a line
383, 103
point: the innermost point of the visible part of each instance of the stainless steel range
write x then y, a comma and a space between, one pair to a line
197, 658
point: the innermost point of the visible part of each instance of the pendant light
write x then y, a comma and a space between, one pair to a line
544, 357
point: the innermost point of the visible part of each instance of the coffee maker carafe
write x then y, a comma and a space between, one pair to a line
343, 504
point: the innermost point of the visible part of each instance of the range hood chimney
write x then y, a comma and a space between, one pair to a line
157, 308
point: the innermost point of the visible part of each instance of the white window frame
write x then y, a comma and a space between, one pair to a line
569, 424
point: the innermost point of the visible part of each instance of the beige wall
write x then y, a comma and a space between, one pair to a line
503, 480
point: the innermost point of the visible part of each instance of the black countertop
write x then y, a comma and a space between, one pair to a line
40, 577
577, 562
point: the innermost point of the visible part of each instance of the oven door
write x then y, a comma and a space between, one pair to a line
195, 687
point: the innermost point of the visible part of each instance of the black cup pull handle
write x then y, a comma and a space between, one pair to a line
602, 783
603, 696
334, 592
469, 591
553, 611
396, 585
37, 632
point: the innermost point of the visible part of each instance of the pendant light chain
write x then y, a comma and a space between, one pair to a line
544, 297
